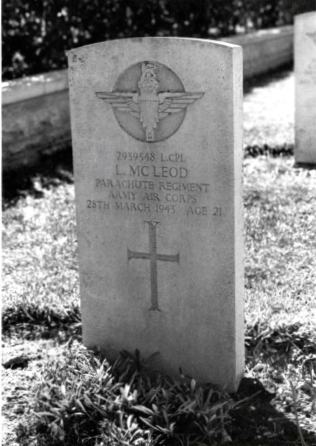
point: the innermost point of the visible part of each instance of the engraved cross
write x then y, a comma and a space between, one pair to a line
153, 257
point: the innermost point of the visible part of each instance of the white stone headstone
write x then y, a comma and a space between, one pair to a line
305, 88
157, 139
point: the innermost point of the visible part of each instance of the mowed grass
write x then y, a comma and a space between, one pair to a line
40, 289
40, 265
280, 260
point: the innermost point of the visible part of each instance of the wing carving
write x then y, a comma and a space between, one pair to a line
148, 106
175, 102
125, 102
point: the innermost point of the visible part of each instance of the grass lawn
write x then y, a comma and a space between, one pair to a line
56, 393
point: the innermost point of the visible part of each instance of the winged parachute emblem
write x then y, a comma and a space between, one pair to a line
147, 104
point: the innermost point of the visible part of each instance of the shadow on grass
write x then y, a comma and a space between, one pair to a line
286, 150
33, 323
258, 422
305, 166
51, 170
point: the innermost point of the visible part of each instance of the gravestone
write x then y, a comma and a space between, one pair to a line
305, 88
157, 138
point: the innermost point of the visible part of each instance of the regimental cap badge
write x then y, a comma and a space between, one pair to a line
149, 101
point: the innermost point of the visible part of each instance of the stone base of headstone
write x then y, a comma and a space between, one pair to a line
308, 166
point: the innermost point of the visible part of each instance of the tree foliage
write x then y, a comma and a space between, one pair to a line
37, 33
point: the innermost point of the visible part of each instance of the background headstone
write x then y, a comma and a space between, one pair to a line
305, 88
157, 137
